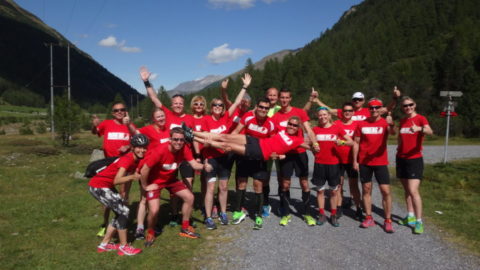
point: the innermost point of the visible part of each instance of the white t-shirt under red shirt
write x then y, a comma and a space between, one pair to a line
164, 164
254, 129
280, 119
327, 141
409, 143
373, 142
115, 135
280, 143
359, 115
104, 179
345, 152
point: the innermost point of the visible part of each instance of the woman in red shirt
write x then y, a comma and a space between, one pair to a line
409, 160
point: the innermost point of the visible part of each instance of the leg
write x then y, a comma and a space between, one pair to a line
386, 200
355, 191
340, 193
210, 189
187, 196
367, 197
153, 209
223, 194
408, 197
413, 188
305, 195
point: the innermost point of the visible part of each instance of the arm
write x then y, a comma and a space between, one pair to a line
311, 136
121, 178
247, 79
223, 91
144, 176
196, 165
348, 141
426, 129
239, 128
313, 96
355, 153
391, 124
396, 94
95, 122
145, 75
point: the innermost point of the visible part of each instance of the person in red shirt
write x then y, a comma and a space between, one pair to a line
345, 156
256, 124
101, 187
218, 122
409, 160
116, 136
158, 171
326, 173
241, 109
296, 160
370, 158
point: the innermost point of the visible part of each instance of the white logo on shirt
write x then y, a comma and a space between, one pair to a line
198, 127
259, 129
122, 136
359, 117
406, 130
284, 123
219, 130
164, 140
349, 132
174, 126
285, 137
168, 167
372, 130
326, 137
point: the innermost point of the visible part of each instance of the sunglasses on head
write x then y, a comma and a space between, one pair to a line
374, 107
357, 99
177, 139
408, 105
263, 107
119, 110
198, 104
217, 105
292, 124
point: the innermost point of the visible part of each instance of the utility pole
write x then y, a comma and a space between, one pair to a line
68, 70
449, 110
52, 127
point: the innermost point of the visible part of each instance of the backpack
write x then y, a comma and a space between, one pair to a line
98, 165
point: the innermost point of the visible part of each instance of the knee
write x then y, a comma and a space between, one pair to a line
188, 199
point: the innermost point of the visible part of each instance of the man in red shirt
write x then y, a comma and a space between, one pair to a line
158, 171
370, 157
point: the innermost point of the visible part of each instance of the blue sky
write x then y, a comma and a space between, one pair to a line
180, 40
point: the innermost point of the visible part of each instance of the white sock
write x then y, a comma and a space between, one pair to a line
140, 227
411, 214
419, 220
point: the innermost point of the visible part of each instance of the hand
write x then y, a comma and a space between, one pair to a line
282, 157
313, 94
316, 148
396, 93
225, 83
126, 119
389, 119
340, 142
274, 156
95, 120
136, 176
355, 166
151, 187
144, 74
247, 79
124, 148
414, 128
207, 166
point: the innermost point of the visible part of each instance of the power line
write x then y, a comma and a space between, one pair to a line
70, 18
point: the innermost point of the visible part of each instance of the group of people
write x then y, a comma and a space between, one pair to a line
254, 139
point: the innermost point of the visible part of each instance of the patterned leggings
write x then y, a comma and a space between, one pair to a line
112, 199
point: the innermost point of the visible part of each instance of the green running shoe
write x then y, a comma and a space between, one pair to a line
309, 220
285, 220
418, 228
237, 217
258, 223
408, 221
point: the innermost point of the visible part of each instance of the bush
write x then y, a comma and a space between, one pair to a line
25, 130
2, 132
41, 128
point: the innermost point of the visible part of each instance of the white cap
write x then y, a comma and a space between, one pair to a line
358, 95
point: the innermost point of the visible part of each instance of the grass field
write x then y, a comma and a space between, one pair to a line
49, 220
451, 196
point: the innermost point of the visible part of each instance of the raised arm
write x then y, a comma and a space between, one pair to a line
95, 122
391, 124
224, 93
395, 96
247, 79
145, 75
313, 96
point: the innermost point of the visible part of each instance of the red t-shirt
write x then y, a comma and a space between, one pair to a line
219, 126
236, 117
345, 152
410, 144
197, 123
114, 136
164, 164
359, 115
327, 140
280, 143
174, 120
280, 119
104, 179
373, 142
156, 135
254, 129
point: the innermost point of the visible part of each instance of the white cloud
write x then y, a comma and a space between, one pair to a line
232, 4
153, 76
130, 49
110, 41
222, 54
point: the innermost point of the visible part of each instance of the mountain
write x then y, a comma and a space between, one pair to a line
25, 59
195, 85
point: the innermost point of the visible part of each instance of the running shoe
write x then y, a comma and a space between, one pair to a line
223, 218
418, 228
237, 217
309, 220
210, 224
173, 221
285, 220
150, 239
339, 213
266, 209
408, 221
321, 219
108, 247
189, 233
387, 226
258, 223
334, 221
359, 214
368, 222
214, 212
139, 234
128, 250
244, 210
102, 232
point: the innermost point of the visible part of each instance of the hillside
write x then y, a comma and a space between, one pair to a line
25, 61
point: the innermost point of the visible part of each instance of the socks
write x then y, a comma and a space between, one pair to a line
306, 202
321, 211
266, 193
419, 220
239, 198
185, 224
411, 214
334, 212
258, 204
140, 227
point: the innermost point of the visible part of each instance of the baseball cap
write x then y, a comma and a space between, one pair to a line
358, 95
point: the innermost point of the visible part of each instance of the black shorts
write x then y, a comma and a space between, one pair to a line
381, 174
222, 166
186, 171
348, 168
252, 168
252, 149
410, 168
326, 173
294, 162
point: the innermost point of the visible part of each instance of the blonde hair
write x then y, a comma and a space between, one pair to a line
198, 99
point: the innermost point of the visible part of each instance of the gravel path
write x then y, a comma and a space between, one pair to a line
298, 246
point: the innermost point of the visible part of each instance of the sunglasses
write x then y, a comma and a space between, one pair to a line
263, 107
357, 99
198, 104
347, 111
374, 108
177, 139
292, 124
119, 110
217, 105
408, 105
